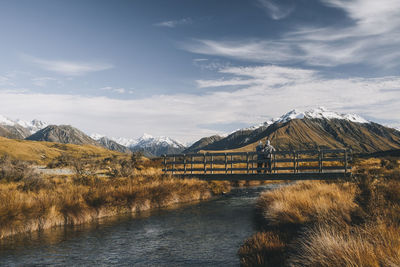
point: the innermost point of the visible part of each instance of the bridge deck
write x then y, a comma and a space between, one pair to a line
284, 165
272, 176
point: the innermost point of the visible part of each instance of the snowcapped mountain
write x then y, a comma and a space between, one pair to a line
157, 145
33, 126
309, 129
150, 145
319, 113
20, 129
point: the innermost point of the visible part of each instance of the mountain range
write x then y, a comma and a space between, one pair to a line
40, 131
310, 129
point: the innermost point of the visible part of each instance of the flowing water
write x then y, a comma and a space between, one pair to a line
204, 234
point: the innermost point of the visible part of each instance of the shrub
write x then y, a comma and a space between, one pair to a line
262, 249
308, 202
370, 245
15, 170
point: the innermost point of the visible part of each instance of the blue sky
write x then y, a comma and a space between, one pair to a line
187, 69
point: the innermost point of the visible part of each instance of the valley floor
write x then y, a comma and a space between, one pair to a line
331, 224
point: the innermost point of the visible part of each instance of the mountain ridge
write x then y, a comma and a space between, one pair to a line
311, 129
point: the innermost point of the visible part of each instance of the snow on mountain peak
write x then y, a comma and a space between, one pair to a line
97, 136
145, 140
33, 126
320, 113
6, 121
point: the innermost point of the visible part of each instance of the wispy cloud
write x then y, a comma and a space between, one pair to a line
68, 68
43, 81
372, 38
263, 92
119, 90
174, 23
275, 9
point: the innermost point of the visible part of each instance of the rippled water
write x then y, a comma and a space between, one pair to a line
204, 234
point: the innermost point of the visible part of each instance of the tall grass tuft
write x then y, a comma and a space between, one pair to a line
31, 202
334, 224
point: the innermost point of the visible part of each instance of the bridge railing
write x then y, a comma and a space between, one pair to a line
300, 161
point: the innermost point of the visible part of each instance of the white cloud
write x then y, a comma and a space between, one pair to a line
275, 9
373, 38
115, 90
68, 68
43, 81
174, 23
270, 92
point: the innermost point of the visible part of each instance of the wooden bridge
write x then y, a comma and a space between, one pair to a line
321, 164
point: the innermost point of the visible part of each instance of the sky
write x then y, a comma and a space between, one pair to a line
193, 68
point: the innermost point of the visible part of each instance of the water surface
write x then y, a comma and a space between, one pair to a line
205, 234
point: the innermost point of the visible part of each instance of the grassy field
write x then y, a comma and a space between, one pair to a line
44, 152
103, 183
331, 224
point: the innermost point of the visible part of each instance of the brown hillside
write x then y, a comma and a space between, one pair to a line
322, 133
44, 152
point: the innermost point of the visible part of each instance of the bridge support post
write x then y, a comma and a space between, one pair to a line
226, 163
212, 164
184, 163
345, 161
173, 165
165, 163
204, 163
191, 164
231, 163
247, 162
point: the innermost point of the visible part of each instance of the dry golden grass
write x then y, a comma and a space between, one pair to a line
341, 224
44, 152
369, 245
65, 201
262, 249
307, 202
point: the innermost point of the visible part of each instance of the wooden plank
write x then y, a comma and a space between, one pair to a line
287, 152
271, 176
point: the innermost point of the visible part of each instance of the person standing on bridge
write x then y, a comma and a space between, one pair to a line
268, 150
260, 156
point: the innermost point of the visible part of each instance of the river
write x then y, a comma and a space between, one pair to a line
204, 234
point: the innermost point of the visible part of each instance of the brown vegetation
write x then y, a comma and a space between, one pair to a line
99, 188
332, 224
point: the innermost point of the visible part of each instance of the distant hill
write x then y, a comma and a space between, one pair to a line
64, 134
112, 145
44, 152
312, 129
203, 142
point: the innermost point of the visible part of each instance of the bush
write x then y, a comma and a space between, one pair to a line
15, 170
262, 249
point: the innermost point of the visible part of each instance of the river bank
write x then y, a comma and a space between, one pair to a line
330, 224
36, 202
207, 233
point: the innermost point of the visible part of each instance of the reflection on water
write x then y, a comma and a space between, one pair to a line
205, 234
